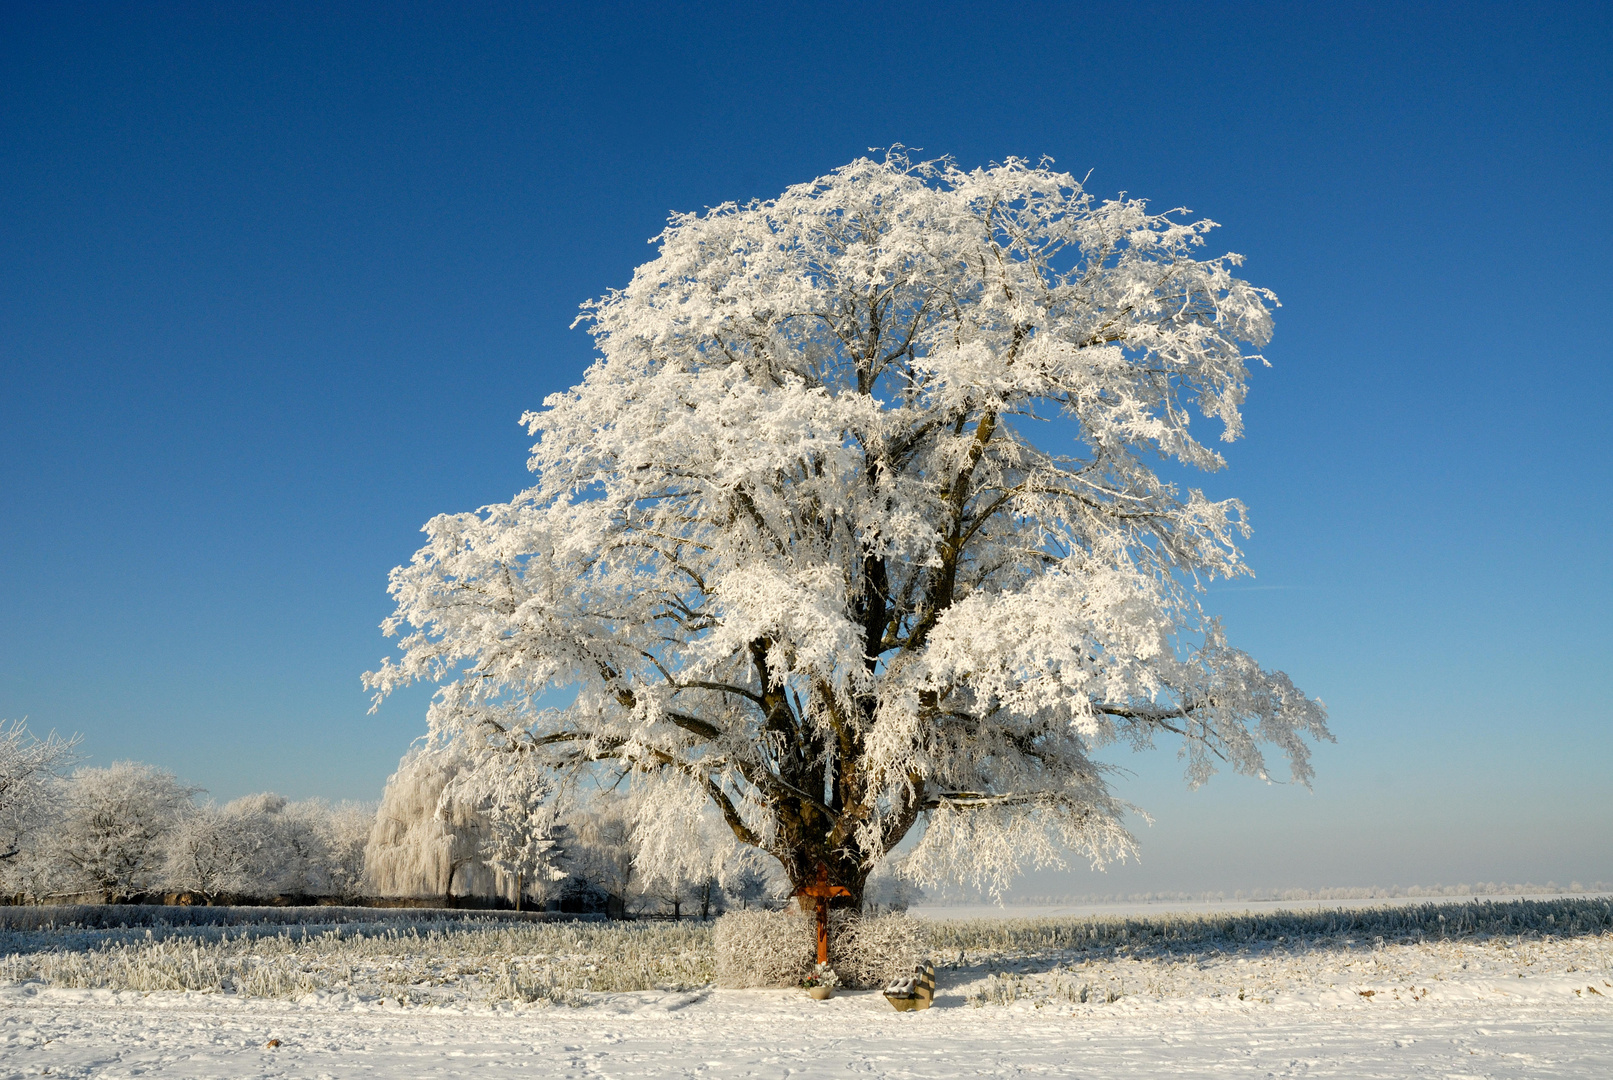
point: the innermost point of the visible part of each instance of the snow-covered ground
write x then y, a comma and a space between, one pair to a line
1479, 1028
1460, 991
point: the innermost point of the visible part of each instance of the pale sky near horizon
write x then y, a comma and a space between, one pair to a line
276, 285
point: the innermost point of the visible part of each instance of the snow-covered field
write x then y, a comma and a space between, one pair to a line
1203, 996
1471, 1029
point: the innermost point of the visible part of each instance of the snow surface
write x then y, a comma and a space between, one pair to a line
1492, 1025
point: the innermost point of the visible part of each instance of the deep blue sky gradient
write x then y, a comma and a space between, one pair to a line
276, 284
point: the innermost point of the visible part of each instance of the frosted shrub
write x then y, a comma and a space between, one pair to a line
764, 948
870, 950
777, 948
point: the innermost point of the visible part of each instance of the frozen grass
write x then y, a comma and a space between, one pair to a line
460, 962
63, 917
1081, 962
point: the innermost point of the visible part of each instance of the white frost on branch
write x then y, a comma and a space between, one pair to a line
792, 544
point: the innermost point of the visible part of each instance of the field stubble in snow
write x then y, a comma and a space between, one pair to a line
446, 962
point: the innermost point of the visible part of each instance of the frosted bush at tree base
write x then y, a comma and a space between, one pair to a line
779, 948
869, 951
791, 542
772, 949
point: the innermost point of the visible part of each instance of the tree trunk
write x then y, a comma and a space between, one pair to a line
448, 886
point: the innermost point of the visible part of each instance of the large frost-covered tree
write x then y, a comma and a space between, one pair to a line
30, 771
112, 838
793, 544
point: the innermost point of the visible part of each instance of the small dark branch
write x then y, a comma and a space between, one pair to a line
724, 688
1162, 718
1158, 717
694, 725
558, 737
730, 814
983, 516
744, 501
965, 799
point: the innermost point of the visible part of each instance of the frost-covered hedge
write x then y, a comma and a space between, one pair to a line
777, 948
1566, 917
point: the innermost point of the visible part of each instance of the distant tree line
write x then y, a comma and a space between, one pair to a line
133, 831
446, 831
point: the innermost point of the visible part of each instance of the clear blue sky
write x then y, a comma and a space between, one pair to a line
276, 284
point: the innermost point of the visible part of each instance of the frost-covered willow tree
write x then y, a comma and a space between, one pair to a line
794, 546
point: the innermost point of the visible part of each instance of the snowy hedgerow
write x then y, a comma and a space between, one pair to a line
804, 550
